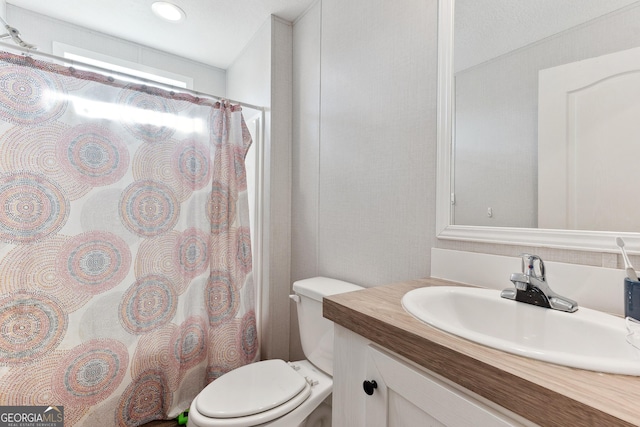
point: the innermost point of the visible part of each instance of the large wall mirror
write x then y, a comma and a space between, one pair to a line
539, 130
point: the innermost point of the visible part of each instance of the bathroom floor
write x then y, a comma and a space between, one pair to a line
169, 423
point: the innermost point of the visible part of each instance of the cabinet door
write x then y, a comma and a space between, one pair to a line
407, 397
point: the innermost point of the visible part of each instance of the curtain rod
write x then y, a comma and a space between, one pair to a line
31, 52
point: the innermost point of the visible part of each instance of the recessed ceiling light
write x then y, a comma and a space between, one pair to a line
168, 11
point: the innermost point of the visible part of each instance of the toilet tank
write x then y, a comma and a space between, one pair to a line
316, 332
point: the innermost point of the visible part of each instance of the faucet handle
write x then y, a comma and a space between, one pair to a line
528, 265
532, 288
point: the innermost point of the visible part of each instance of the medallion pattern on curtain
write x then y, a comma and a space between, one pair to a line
125, 254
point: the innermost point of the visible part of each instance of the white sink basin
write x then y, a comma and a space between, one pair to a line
586, 339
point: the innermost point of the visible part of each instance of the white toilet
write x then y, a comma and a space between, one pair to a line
276, 393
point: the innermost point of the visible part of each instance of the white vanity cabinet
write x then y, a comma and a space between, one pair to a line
432, 372
404, 394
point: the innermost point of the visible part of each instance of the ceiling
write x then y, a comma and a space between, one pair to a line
214, 32
486, 29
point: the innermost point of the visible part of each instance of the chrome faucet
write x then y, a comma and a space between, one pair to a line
531, 287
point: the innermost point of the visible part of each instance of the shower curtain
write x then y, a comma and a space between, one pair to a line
125, 255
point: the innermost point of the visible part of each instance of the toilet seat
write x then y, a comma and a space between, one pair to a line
238, 398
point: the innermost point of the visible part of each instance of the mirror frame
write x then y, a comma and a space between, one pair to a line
593, 241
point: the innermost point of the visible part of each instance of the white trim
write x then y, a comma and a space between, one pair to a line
258, 233
594, 241
445, 114
133, 68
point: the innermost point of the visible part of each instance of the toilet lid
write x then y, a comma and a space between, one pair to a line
250, 389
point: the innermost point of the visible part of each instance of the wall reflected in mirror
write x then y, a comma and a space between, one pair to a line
516, 164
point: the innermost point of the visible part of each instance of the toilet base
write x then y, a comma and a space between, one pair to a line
320, 417
319, 392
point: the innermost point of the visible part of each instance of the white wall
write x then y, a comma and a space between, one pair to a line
306, 147
43, 31
364, 146
363, 201
261, 75
249, 76
306, 154
375, 208
364, 157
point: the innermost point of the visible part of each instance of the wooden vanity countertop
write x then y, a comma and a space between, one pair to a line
545, 393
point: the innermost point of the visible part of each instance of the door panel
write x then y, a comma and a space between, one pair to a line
589, 143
